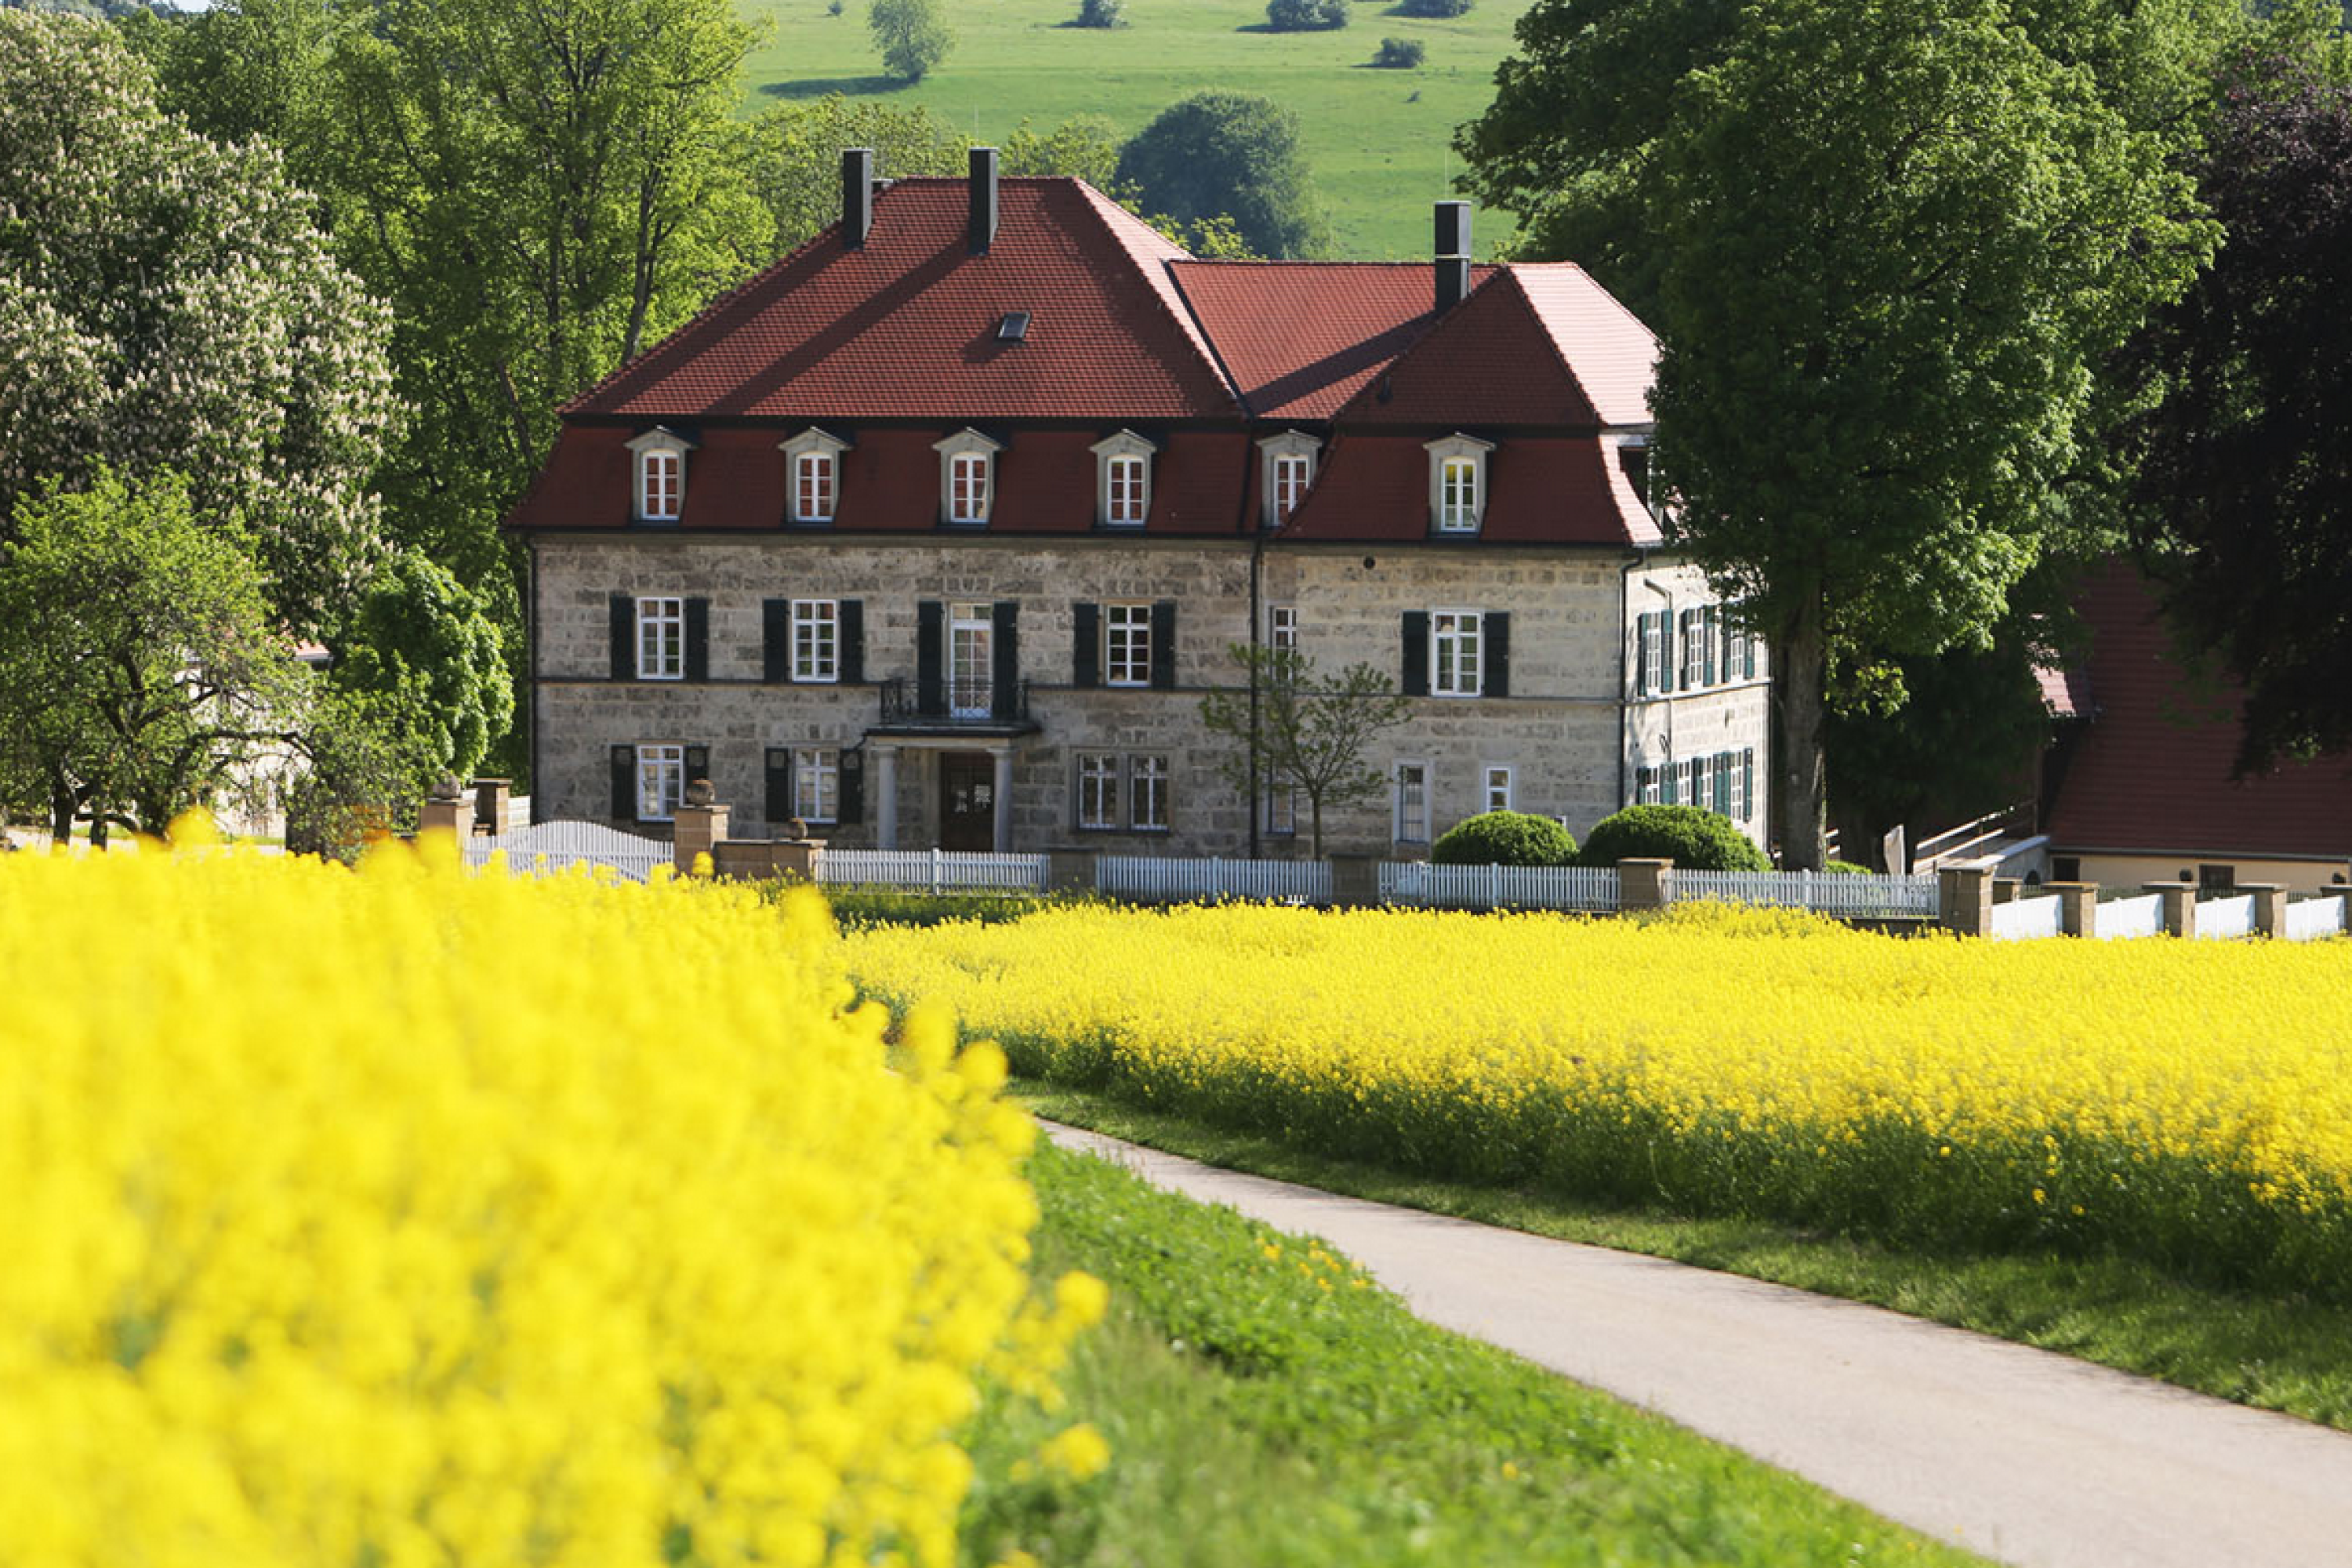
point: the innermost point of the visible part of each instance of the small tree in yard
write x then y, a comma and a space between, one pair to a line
1302, 730
912, 35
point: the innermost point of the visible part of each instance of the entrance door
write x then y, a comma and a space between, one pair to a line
968, 669
967, 801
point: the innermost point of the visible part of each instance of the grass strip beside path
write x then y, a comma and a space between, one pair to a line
1265, 1404
2274, 1354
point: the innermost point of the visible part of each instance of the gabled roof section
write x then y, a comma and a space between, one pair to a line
905, 326
1300, 337
1502, 358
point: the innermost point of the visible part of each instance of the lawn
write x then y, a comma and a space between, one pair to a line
1378, 142
1263, 1404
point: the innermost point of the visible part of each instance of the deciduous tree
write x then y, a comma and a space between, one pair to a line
912, 35
1303, 731
1228, 154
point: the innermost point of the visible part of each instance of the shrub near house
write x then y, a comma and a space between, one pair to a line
1693, 838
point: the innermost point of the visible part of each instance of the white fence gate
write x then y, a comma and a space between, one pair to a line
2022, 919
2311, 918
553, 847
2122, 917
1848, 895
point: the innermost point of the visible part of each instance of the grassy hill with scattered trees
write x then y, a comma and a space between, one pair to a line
1377, 139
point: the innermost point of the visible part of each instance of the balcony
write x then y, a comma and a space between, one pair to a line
954, 708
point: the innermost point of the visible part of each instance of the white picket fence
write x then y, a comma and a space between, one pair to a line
2022, 919
2311, 918
2223, 918
2226, 918
1591, 888
1158, 879
2120, 919
935, 870
1847, 895
552, 849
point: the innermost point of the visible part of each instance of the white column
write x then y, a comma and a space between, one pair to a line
886, 790
1003, 842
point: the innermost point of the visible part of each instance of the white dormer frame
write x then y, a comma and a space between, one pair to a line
1462, 459
968, 443
813, 442
645, 450
1125, 448
1278, 452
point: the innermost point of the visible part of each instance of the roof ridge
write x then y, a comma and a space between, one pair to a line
1559, 354
1125, 230
1598, 287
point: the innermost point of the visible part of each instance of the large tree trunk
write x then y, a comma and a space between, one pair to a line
1800, 677
63, 804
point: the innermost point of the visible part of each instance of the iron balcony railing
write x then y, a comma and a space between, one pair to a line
953, 703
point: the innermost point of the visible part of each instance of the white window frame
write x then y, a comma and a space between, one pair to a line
661, 620
970, 452
1460, 631
1450, 511
1126, 643
1690, 648
813, 447
1498, 786
1148, 780
661, 782
1281, 809
1289, 468
658, 446
1099, 792
1122, 480
816, 784
1405, 827
817, 642
1648, 787
1282, 627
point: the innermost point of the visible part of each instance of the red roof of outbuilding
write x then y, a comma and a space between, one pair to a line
2151, 771
905, 326
1300, 338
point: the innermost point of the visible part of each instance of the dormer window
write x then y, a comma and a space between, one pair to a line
661, 475
967, 478
1289, 473
1457, 483
1122, 480
813, 469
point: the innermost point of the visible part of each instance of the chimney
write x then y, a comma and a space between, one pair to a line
857, 196
1452, 254
983, 199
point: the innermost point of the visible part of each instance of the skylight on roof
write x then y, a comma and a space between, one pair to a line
1014, 328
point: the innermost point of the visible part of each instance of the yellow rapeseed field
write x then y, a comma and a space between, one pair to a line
408, 1217
2187, 1101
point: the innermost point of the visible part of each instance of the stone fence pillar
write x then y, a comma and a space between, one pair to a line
2180, 906
1964, 899
493, 801
2078, 907
1644, 884
2270, 907
446, 811
1355, 881
697, 827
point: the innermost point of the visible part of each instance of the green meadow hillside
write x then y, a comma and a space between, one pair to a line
1379, 142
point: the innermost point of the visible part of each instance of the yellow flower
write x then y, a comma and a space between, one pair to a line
1078, 1452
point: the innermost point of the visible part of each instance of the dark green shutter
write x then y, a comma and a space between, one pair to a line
624, 784
1004, 659
1748, 644
1641, 654
1086, 645
698, 763
1747, 785
853, 641
625, 637
780, 785
1669, 778
1163, 645
698, 639
852, 806
1415, 682
1497, 628
931, 694
775, 640
1710, 622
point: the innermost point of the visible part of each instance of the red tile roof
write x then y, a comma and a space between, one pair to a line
1300, 338
1373, 485
1612, 356
2151, 770
905, 327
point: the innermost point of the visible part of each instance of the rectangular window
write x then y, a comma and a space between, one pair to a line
1127, 645
812, 487
1454, 653
1653, 653
1412, 803
1281, 810
1457, 495
1282, 627
661, 639
816, 784
968, 488
1723, 784
663, 478
1498, 788
817, 640
1694, 629
1147, 779
661, 782
1124, 499
1647, 788
1735, 650
1097, 789
1290, 475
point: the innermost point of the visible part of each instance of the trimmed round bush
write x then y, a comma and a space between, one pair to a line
1305, 16
1693, 837
1505, 839
1401, 54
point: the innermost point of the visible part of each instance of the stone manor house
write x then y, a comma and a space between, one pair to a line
935, 532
